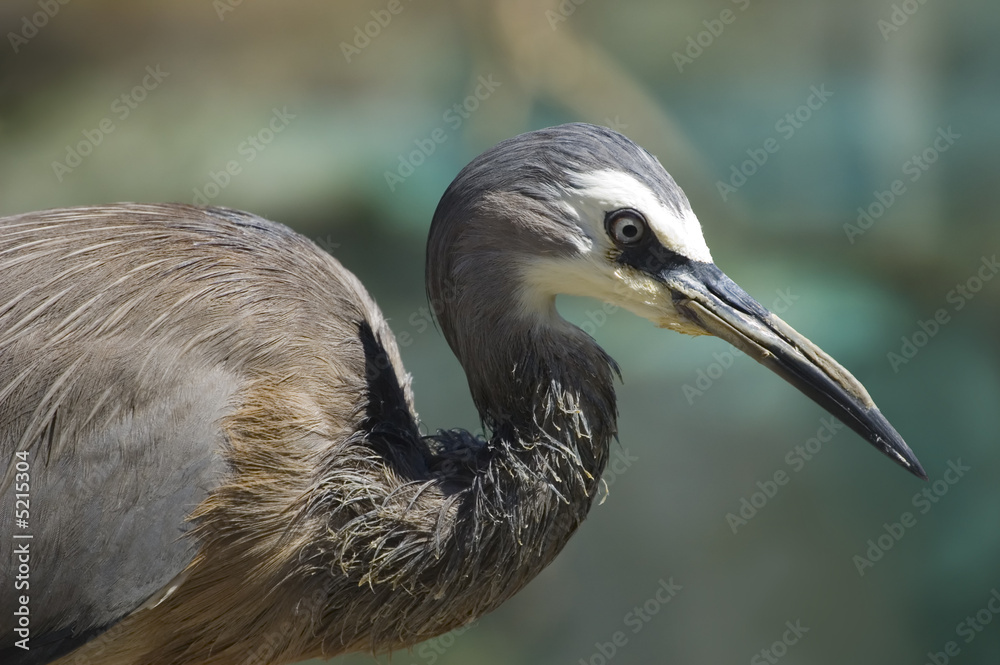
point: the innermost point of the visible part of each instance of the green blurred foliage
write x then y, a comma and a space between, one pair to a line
229, 66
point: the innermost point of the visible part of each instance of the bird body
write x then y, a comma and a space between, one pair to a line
226, 464
208, 363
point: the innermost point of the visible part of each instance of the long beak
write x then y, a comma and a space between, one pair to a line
718, 306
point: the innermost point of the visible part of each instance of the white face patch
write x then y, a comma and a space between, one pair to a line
600, 192
592, 274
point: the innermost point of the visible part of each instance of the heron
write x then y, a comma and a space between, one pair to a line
213, 426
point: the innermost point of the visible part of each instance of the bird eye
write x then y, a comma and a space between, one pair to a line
626, 227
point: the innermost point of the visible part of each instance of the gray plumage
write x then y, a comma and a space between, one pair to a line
226, 465
161, 333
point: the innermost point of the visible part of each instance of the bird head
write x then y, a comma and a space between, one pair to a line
582, 210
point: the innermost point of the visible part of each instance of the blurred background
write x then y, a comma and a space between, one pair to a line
842, 159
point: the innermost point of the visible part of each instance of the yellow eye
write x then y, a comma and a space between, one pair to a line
626, 227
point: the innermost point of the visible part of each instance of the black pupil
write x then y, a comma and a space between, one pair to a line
626, 227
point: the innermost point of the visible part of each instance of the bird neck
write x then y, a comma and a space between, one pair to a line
545, 393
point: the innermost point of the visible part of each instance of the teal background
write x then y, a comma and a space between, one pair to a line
686, 459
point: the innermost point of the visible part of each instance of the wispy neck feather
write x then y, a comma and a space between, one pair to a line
544, 389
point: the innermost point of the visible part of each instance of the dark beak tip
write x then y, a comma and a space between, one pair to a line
914, 467
714, 303
892, 444
906, 459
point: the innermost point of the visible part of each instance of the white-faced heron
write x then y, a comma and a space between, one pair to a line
209, 418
